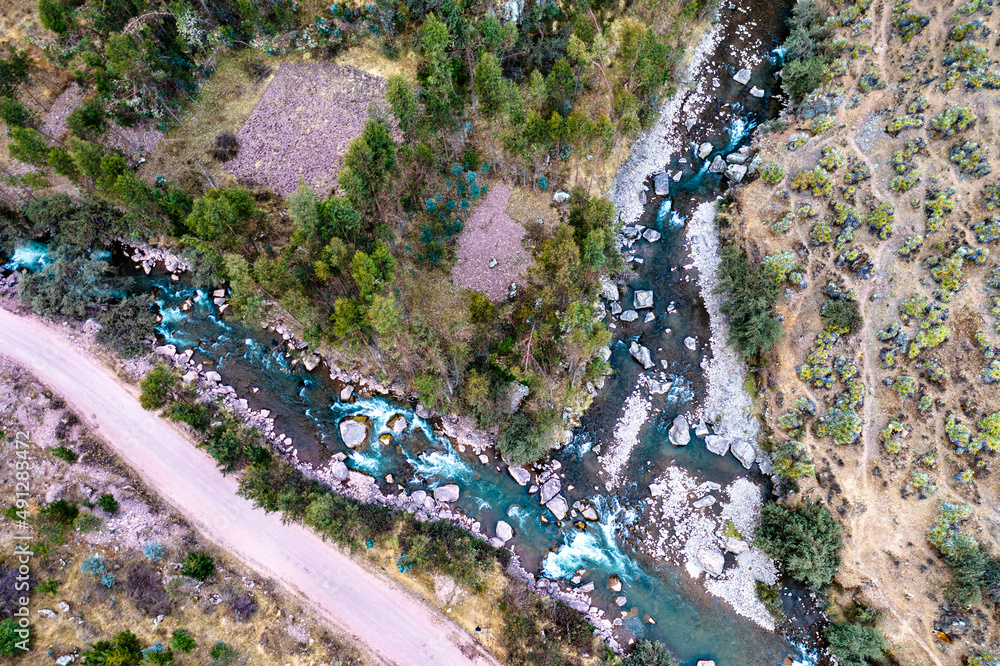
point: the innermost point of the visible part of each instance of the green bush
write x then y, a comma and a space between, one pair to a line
749, 296
157, 387
223, 654
842, 314
55, 16
108, 502
60, 512
522, 440
197, 416
125, 325
9, 638
649, 653
199, 566
64, 453
88, 121
182, 641
87, 522
855, 644
806, 539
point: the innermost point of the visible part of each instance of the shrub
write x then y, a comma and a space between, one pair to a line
522, 440
953, 119
55, 16
801, 77
93, 566
182, 641
880, 220
125, 649
144, 587
88, 121
60, 512
156, 387
772, 173
223, 654
805, 539
64, 453
841, 424
855, 644
971, 159
749, 297
196, 416
9, 638
649, 653
153, 551
842, 314
816, 181
199, 566
108, 502
126, 324
87, 522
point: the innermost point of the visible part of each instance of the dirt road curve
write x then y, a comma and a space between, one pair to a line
396, 626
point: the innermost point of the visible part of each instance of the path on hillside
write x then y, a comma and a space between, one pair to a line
398, 628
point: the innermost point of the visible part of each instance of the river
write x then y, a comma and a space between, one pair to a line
692, 622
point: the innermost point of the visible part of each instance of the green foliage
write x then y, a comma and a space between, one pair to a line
903, 123
124, 650
855, 644
125, 325
108, 503
842, 314
971, 159
28, 146
908, 24
64, 453
223, 654
195, 415
842, 424
806, 539
523, 440
816, 181
905, 386
832, 159
55, 16
60, 512
368, 165
649, 653
373, 273
953, 119
880, 220
405, 105
199, 566
223, 216
156, 387
88, 121
772, 173
792, 460
749, 297
15, 114
10, 639
182, 641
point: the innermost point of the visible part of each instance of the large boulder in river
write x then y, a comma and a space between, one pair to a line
679, 433
736, 172
339, 471
550, 489
397, 423
446, 493
641, 354
521, 475
742, 77
661, 184
718, 165
609, 289
629, 316
704, 150
710, 559
354, 432
504, 531
643, 299
558, 506
717, 445
744, 452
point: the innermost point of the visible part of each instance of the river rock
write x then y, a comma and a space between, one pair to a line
718, 165
609, 289
354, 432
614, 583
166, 350
558, 506
735, 545
604, 353
339, 471
742, 77
616, 308
213, 376
735, 172
641, 354
550, 489
756, 92
690, 343
649, 317
679, 433
661, 184
579, 605
706, 662
643, 299
620, 600
701, 430
600, 311
422, 412
744, 452
310, 362
521, 475
590, 513
704, 150
710, 559
704, 502
446, 493
397, 423
717, 445
740, 156
190, 376
651, 235
629, 315
504, 531
657, 387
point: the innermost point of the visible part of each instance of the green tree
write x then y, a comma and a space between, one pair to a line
404, 104
9, 638
490, 88
439, 90
842, 314
125, 325
522, 440
55, 16
182, 641
88, 120
124, 650
385, 318
223, 216
374, 272
368, 163
16, 114
856, 644
157, 387
14, 70
62, 163
750, 294
806, 539
28, 146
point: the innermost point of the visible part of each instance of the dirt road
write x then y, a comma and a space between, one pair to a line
396, 626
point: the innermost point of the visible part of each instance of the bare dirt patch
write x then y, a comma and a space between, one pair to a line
302, 125
491, 234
